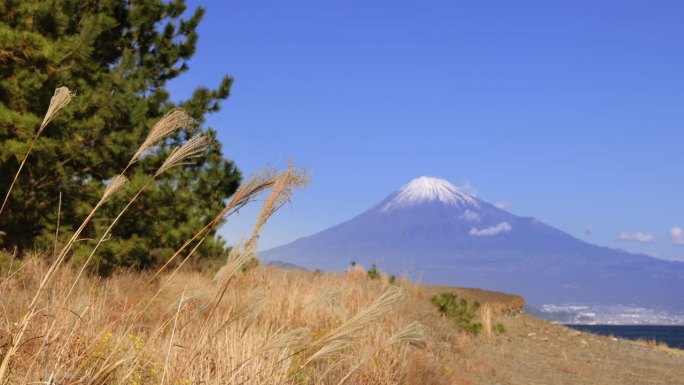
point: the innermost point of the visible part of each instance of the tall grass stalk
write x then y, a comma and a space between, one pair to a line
171, 122
61, 98
283, 185
192, 148
413, 333
173, 333
246, 193
115, 184
342, 337
174, 120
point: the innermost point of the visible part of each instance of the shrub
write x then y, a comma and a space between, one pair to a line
373, 272
461, 311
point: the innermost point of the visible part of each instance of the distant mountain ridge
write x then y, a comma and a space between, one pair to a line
437, 233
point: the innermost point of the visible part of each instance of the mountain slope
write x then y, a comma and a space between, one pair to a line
434, 232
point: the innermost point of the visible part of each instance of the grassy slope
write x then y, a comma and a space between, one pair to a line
104, 333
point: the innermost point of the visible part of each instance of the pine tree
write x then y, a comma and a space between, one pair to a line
117, 56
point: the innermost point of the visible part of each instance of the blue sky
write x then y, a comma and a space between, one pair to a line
569, 111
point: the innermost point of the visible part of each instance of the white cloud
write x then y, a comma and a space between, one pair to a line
677, 235
468, 188
471, 216
502, 205
589, 230
636, 237
502, 227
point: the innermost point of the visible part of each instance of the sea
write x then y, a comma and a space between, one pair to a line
672, 335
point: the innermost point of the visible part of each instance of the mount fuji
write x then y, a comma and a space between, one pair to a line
436, 233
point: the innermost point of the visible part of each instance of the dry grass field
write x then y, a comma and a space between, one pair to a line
271, 326
275, 326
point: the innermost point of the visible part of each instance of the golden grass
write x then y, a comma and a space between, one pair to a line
271, 327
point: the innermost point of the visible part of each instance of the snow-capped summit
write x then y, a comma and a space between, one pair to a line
427, 189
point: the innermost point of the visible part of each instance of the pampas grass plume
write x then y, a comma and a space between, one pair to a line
60, 98
343, 336
174, 120
193, 148
116, 184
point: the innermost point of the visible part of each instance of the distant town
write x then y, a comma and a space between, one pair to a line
607, 315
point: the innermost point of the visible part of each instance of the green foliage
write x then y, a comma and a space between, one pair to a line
373, 272
392, 279
499, 329
117, 56
353, 264
461, 311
